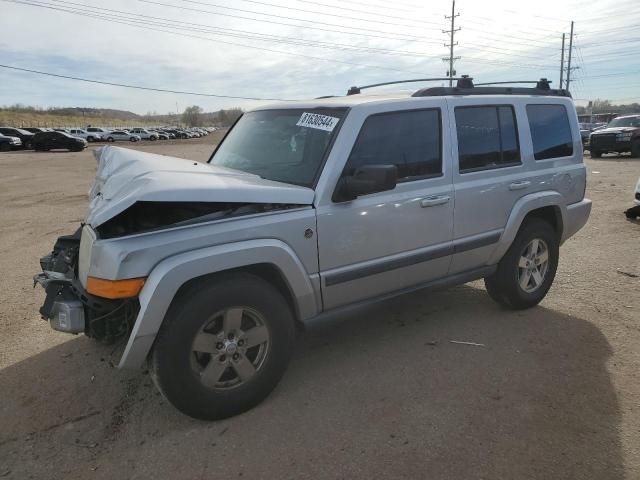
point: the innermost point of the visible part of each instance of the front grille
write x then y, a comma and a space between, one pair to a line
604, 140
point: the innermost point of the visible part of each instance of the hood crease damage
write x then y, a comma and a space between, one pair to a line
137, 191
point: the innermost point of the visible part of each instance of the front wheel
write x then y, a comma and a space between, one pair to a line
595, 153
223, 346
635, 149
111, 139
527, 270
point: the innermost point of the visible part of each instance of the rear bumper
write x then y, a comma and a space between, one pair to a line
576, 217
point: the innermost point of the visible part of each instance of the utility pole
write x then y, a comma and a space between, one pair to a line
451, 44
562, 62
569, 60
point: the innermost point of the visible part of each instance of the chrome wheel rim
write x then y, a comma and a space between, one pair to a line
230, 348
533, 265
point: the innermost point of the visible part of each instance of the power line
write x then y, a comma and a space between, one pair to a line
147, 22
272, 15
106, 14
137, 87
123, 22
316, 12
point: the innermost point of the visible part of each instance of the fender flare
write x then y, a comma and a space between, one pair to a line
522, 207
170, 274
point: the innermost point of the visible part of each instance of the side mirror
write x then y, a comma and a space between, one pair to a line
365, 180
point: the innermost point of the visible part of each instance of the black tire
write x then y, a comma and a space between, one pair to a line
595, 153
5, 147
635, 149
504, 287
91, 139
110, 139
28, 145
153, 139
172, 360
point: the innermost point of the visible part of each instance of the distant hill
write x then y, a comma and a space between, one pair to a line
27, 116
94, 112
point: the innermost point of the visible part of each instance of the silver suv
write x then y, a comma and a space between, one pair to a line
207, 270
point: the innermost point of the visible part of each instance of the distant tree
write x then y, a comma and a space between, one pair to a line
228, 117
192, 116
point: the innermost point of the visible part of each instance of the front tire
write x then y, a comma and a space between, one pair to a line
635, 149
527, 270
111, 139
595, 153
223, 346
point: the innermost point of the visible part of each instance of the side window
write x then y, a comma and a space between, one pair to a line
410, 140
487, 138
550, 131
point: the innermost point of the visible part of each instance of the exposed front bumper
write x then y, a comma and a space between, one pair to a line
68, 306
576, 217
61, 307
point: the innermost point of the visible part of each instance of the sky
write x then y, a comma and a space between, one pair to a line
297, 49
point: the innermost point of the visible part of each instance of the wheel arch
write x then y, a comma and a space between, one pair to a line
548, 206
270, 259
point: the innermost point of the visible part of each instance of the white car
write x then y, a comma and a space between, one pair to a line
121, 136
88, 136
144, 134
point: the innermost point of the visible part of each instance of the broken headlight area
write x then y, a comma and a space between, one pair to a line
150, 216
70, 308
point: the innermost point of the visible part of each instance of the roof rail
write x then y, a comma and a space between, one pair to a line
356, 90
466, 87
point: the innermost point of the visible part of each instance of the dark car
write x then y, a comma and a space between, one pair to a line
622, 134
9, 143
35, 130
26, 137
178, 133
53, 140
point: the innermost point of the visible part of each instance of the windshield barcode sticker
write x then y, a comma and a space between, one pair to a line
315, 120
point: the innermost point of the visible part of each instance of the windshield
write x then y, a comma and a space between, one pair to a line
282, 145
625, 122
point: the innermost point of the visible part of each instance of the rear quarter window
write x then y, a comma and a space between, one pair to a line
550, 131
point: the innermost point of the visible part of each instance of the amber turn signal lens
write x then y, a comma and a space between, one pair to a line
115, 288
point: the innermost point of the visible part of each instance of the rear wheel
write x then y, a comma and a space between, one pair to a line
527, 270
595, 153
28, 145
223, 346
90, 139
111, 139
635, 149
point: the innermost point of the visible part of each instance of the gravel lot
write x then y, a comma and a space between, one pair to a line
379, 393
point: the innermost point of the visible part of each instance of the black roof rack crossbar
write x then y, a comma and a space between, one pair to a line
356, 90
542, 84
466, 87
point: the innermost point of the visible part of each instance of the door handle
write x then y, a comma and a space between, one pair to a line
433, 201
519, 185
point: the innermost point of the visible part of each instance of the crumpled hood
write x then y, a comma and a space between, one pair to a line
126, 176
614, 130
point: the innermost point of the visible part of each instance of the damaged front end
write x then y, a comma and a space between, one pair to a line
69, 307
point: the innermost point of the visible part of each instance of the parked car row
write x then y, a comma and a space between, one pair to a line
75, 139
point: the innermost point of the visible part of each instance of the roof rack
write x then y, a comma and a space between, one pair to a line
465, 86
356, 90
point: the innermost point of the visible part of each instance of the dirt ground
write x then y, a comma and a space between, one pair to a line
378, 393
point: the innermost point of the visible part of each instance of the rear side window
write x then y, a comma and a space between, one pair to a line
410, 140
487, 138
550, 131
